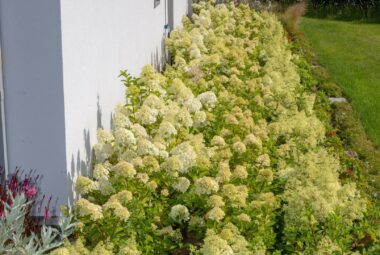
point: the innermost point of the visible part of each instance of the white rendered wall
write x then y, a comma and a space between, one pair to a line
99, 38
61, 65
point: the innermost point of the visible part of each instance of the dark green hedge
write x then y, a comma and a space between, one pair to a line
341, 9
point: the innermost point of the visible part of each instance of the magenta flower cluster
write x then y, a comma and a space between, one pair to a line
18, 183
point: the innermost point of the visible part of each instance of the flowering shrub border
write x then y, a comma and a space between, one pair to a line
221, 154
345, 134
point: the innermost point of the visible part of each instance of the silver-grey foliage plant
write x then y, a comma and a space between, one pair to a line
13, 239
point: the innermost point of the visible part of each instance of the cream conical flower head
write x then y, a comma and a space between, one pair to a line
179, 213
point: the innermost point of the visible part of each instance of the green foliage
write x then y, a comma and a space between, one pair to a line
331, 89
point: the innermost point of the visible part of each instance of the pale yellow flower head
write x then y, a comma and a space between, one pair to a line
86, 208
85, 185
215, 214
206, 186
124, 169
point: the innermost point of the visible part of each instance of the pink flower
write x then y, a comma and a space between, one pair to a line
47, 213
13, 184
30, 192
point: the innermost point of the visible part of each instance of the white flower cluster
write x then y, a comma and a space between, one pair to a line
179, 213
310, 172
199, 147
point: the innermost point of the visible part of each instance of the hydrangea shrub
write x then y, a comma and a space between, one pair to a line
220, 154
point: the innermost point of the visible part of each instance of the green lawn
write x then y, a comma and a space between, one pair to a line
351, 54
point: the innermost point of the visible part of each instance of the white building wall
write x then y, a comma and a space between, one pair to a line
179, 8
61, 65
99, 38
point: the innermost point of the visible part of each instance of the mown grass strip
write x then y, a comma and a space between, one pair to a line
351, 54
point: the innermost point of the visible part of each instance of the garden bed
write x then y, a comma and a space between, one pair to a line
226, 152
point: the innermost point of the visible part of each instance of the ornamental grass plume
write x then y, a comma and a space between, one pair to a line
292, 16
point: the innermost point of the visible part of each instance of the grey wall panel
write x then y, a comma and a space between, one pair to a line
33, 83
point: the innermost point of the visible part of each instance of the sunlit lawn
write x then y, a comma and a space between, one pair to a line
351, 54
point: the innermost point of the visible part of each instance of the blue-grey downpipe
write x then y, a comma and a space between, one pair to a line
2, 113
